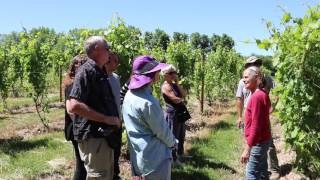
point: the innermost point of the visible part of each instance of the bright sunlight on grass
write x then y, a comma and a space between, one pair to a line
214, 157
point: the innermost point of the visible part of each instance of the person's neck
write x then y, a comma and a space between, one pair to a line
169, 81
108, 71
254, 90
99, 63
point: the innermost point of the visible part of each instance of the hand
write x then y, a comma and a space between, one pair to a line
117, 122
271, 110
245, 155
175, 146
179, 101
239, 122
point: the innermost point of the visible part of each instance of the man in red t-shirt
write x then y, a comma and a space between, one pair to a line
257, 126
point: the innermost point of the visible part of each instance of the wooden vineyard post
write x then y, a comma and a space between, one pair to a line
60, 82
202, 82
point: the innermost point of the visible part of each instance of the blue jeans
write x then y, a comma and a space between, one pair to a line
257, 167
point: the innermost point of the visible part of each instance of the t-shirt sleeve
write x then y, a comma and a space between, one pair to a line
239, 92
80, 88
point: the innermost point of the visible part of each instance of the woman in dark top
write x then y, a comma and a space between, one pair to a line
173, 95
77, 61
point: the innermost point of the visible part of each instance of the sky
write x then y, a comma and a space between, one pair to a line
243, 20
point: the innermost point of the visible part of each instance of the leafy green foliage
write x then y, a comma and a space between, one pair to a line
37, 63
126, 41
180, 55
199, 72
222, 71
157, 39
298, 73
199, 41
223, 41
33, 61
180, 37
4, 67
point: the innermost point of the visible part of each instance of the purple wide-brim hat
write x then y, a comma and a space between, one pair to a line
142, 69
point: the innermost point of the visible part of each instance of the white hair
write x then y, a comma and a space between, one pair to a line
254, 71
92, 43
168, 69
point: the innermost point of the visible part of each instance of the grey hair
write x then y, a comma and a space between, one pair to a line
254, 71
92, 43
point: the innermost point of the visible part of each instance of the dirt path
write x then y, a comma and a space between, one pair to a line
287, 156
31, 130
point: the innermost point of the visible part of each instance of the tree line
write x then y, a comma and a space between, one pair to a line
33, 62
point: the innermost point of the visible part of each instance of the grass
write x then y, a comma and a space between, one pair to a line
17, 103
216, 156
18, 121
30, 158
215, 153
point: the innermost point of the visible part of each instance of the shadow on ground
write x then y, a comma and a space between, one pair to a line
222, 125
193, 169
189, 175
198, 161
16, 145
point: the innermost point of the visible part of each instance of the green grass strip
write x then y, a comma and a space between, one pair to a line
215, 157
34, 158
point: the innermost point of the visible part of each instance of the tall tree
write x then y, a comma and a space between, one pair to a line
180, 37
162, 39
148, 40
223, 41
199, 41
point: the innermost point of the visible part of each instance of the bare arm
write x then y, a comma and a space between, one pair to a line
166, 89
182, 91
76, 107
245, 155
72, 116
239, 111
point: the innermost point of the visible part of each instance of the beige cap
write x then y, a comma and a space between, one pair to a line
252, 59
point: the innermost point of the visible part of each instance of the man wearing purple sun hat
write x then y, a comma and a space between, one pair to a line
149, 138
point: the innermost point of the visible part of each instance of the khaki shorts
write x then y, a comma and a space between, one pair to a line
97, 157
